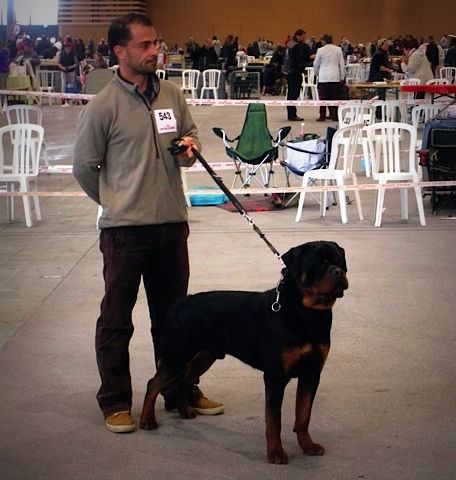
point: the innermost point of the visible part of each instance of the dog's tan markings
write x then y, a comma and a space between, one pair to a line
310, 301
291, 357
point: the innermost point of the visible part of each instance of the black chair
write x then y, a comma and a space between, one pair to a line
442, 166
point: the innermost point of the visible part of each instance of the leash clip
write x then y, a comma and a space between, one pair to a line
275, 307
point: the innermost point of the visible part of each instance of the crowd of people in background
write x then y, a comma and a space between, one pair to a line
212, 53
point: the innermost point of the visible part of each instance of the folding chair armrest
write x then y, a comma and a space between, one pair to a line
221, 134
281, 135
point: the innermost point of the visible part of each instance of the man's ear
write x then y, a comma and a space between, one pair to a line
118, 51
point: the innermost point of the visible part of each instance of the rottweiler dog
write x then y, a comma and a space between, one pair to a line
284, 332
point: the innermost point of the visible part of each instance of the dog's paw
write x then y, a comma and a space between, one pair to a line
187, 412
148, 424
307, 444
311, 448
278, 456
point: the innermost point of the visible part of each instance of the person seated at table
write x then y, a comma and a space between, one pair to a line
28, 55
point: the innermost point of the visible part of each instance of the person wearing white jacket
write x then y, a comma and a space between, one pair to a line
329, 66
415, 63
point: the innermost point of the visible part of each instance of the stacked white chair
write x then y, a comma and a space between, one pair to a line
19, 165
309, 84
356, 113
26, 114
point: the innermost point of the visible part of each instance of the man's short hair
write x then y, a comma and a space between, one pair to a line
327, 38
119, 31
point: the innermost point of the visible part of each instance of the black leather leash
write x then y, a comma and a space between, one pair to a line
177, 148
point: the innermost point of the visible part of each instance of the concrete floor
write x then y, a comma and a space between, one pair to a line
386, 404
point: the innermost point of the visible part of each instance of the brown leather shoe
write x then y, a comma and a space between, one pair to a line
120, 422
203, 405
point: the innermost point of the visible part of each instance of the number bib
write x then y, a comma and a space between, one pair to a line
165, 120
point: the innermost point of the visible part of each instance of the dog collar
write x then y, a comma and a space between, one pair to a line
275, 307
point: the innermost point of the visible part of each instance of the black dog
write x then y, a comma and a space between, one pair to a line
284, 332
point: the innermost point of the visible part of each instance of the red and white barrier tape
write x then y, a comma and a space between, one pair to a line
253, 191
214, 102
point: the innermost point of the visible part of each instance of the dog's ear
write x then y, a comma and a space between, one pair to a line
341, 252
295, 259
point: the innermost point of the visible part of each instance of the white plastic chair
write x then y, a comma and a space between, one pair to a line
449, 73
211, 82
392, 110
340, 168
190, 82
436, 81
161, 74
19, 165
48, 81
409, 96
356, 113
30, 114
309, 84
392, 149
421, 114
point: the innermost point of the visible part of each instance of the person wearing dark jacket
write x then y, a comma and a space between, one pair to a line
450, 57
432, 54
297, 55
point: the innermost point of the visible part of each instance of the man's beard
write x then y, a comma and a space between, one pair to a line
146, 68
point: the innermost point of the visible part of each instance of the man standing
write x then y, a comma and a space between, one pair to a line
122, 162
297, 57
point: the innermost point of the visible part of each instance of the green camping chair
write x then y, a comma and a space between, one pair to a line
255, 151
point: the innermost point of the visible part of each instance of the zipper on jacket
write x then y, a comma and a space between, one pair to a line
149, 108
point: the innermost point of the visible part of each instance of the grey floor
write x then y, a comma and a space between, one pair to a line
386, 407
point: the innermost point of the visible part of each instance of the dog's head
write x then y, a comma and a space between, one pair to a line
319, 271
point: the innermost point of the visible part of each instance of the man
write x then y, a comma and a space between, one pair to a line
122, 162
68, 64
297, 57
381, 66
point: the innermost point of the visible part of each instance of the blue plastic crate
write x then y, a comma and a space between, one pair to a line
202, 199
